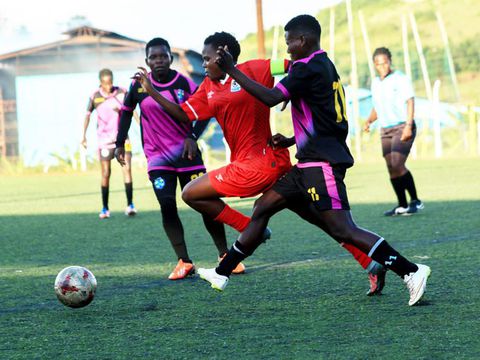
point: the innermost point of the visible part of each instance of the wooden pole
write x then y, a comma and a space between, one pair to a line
406, 54
366, 42
423, 63
408, 67
426, 77
3, 142
451, 66
260, 31
273, 110
354, 82
472, 129
331, 51
437, 130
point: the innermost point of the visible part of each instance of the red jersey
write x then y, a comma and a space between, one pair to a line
243, 119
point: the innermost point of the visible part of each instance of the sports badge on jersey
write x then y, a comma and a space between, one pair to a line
235, 87
159, 183
180, 95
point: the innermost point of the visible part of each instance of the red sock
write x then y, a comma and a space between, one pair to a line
360, 256
233, 218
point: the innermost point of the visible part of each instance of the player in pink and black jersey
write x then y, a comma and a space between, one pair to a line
107, 101
170, 148
314, 188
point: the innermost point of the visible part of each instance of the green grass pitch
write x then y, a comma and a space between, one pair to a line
302, 298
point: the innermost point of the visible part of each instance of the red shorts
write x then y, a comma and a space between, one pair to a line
250, 178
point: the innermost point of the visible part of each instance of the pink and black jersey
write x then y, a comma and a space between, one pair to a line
318, 110
108, 108
162, 136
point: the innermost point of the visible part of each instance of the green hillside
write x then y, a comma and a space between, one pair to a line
383, 22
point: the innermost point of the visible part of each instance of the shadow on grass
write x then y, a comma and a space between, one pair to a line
43, 244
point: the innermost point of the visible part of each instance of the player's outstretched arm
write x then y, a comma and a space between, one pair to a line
269, 97
173, 109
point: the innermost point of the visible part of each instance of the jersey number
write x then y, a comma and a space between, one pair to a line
313, 194
195, 176
340, 107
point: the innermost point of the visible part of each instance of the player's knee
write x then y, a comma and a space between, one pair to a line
187, 195
261, 208
168, 207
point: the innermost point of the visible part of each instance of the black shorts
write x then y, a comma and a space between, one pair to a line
164, 182
391, 139
314, 184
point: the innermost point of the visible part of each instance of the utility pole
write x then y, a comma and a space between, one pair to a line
408, 67
451, 66
354, 83
366, 41
260, 32
331, 50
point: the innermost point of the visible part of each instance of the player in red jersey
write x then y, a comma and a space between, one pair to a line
254, 166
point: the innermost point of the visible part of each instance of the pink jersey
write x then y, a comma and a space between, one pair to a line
108, 108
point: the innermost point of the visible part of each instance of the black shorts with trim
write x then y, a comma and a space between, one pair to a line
391, 142
319, 186
164, 182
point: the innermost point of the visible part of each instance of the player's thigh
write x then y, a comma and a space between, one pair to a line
269, 204
185, 177
386, 140
199, 189
164, 184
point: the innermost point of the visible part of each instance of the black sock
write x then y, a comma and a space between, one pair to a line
105, 197
186, 260
217, 232
399, 187
383, 253
410, 185
234, 257
129, 192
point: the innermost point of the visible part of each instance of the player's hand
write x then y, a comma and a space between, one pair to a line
224, 59
84, 142
142, 77
407, 133
190, 148
280, 141
366, 127
120, 155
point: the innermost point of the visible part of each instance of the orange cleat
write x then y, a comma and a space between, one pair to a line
182, 270
240, 269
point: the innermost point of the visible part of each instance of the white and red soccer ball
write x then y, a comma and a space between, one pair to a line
75, 286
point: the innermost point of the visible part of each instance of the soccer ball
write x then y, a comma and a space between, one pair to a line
75, 286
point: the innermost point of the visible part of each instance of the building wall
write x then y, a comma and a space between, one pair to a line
51, 111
